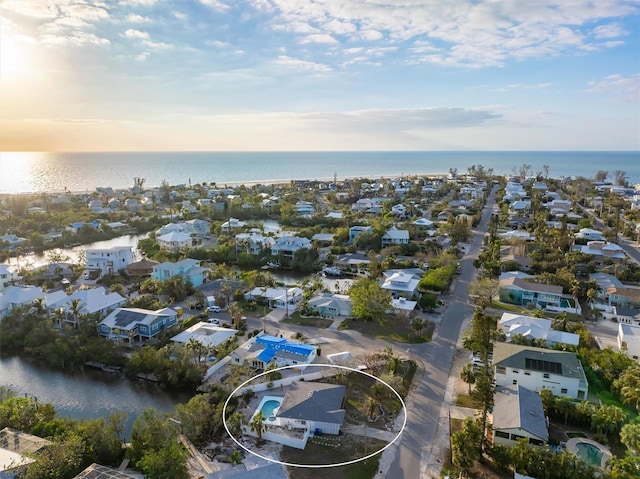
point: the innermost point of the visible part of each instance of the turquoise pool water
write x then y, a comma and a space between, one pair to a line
589, 453
268, 407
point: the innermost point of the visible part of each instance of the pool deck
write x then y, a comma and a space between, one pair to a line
606, 452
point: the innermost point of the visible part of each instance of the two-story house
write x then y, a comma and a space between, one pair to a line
189, 268
110, 260
395, 236
518, 414
253, 244
538, 368
136, 324
8, 276
287, 246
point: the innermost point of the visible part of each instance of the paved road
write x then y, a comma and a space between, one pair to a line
420, 452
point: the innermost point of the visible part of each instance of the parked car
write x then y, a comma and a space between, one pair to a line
214, 309
214, 321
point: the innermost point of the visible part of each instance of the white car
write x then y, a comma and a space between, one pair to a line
214, 321
214, 309
476, 362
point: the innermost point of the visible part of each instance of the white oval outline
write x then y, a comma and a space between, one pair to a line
313, 466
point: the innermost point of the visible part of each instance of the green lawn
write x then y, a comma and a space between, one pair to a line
334, 450
464, 400
390, 328
314, 321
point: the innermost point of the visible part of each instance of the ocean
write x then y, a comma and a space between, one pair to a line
35, 172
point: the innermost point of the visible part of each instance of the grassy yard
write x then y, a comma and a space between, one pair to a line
334, 450
464, 400
316, 322
390, 329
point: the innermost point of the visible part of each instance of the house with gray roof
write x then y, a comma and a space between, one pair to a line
130, 324
314, 406
539, 368
518, 414
540, 295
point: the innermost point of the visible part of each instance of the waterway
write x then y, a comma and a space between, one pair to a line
85, 394
72, 255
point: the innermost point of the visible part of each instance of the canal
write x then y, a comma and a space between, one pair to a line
85, 394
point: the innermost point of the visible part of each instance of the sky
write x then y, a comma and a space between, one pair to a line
301, 75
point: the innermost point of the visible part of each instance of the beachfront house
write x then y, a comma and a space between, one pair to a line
109, 260
539, 295
189, 268
538, 368
136, 324
518, 414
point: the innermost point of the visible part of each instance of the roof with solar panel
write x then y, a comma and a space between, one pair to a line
561, 363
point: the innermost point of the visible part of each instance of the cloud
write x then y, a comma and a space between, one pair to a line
302, 65
620, 87
610, 30
215, 5
134, 3
319, 38
135, 18
133, 33
470, 33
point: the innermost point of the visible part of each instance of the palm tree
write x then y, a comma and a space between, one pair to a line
630, 437
468, 375
236, 315
75, 305
629, 384
235, 423
257, 424
39, 305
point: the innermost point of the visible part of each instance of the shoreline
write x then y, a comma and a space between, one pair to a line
236, 184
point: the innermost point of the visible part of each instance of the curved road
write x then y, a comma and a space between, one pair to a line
421, 448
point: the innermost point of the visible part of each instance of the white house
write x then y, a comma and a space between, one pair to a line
206, 334
534, 328
518, 414
280, 298
174, 241
538, 368
17, 296
17, 449
253, 243
331, 305
401, 284
629, 339
232, 224
91, 301
590, 234
8, 276
288, 245
395, 236
110, 260
264, 350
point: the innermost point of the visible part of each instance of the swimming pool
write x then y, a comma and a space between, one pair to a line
269, 406
589, 453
